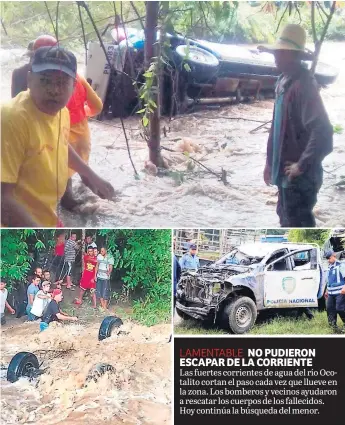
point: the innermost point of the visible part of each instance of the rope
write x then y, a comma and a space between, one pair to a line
83, 30
83, 3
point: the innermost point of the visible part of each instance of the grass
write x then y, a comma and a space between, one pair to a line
276, 326
338, 129
151, 312
145, 312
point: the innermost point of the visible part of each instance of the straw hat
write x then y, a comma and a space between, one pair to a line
292, 37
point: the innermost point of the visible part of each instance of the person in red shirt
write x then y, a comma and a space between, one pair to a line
88, 278
59, 252
83, 104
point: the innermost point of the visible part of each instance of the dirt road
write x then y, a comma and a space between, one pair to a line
137, 393
190, 197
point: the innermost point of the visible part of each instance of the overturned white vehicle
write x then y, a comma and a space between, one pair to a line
252, 278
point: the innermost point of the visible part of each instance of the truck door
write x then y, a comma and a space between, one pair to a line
292, 280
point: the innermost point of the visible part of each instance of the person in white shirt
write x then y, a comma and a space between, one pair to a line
42, 299
3, 302
104, 268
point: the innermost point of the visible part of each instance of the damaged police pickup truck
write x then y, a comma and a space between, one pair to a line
252, 278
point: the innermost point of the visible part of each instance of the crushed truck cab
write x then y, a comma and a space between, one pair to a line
249, 279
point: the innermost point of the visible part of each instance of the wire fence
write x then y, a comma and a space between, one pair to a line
214, 243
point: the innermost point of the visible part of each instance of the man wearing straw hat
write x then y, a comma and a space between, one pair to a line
301, 135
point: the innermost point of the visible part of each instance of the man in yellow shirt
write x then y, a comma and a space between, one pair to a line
35, 154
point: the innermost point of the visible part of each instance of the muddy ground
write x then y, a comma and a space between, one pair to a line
138, 392
191, 197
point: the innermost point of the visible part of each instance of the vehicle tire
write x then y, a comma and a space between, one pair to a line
108, 324
241, 314
21, 365
203, 64
182, 314
97, 371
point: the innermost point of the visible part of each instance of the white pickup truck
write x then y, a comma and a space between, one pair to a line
252, 278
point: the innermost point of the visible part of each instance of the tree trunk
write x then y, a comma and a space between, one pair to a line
318, 42
152, 51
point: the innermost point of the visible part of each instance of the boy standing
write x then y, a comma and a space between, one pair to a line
88, 278
104, 268
3, 302
31, 292
71, 247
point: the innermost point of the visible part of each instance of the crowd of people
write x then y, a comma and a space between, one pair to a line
44, 296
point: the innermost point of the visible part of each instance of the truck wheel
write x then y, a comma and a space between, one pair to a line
241, 314
182, 314
99, 370
108, 324
22, 364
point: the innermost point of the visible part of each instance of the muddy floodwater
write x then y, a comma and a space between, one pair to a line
136, 392
190, 196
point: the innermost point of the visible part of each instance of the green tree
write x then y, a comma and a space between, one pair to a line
145, 257
15, 261
318, 236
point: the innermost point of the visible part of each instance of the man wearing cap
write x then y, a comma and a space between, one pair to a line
35, 153
301, 134
53, 312
190, 261
335, 293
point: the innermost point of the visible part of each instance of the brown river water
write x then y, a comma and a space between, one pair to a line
138, 392
200, 200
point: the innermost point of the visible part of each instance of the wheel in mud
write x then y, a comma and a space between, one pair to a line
99, 370
241, 314
22, 364
182, 315
108, 324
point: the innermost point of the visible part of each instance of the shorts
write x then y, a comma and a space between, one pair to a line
3, 319
70, 268
103, 288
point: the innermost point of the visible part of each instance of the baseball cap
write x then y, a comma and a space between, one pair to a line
44, 41
192, 246
329, 253
56, 292
46, 282
54, 59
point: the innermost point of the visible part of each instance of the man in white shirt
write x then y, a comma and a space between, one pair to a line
104, 268
3, 302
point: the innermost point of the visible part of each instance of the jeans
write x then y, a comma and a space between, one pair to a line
296, 200
103, 288
31, 317
335, 306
